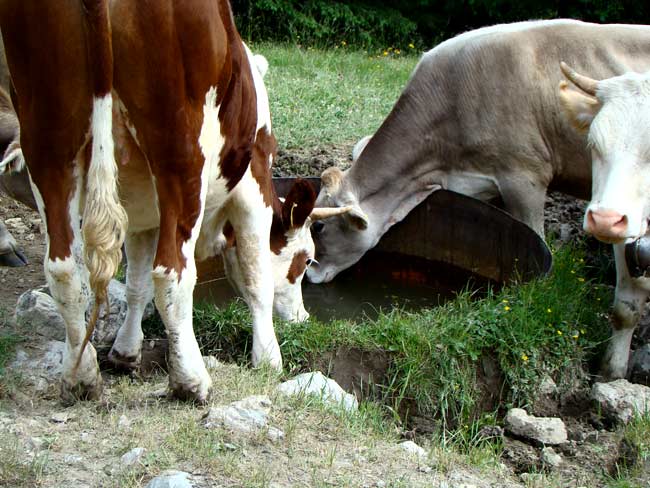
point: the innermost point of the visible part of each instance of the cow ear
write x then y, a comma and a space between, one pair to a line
357, 217
359, 147
580, 108
330, 180
298, 204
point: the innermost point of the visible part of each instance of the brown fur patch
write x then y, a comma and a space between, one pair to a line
298, 205
298, 266
265, 146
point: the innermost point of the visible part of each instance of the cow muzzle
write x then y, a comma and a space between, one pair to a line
606, 225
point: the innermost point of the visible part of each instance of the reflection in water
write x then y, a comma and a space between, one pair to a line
380, 282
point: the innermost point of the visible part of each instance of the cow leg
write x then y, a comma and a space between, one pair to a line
10, 253
140, 250
525, 200
68, 280
628, 307
174, 277
251, 219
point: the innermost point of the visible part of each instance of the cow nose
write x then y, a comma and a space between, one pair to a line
606, 223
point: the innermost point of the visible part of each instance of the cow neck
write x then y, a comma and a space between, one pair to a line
402, 157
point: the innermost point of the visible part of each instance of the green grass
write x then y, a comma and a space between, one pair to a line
319, 98
547, 327
637, 436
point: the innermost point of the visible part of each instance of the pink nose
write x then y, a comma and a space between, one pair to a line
606, 224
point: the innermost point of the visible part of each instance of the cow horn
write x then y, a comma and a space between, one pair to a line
586, 84
320, 213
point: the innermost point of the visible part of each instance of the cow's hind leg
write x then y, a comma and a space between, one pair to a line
628, 307
251, 220
140, 250
67, 278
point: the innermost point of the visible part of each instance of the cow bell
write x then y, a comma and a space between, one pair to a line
637, 257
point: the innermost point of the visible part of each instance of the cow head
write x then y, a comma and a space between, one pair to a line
615, 114
346, 237
292, 249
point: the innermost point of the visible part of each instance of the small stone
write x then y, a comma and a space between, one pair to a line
547, 386
211, 363
275, 435
123, 422
171, 479
412, 448
133, 456
544, 430
533, 480
86, 437
621, 399
550, 458
60, 417
72, 459
246, 416
319, 385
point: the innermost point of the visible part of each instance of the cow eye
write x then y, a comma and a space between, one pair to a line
317, 227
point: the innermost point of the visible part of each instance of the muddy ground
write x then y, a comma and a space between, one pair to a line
563, 216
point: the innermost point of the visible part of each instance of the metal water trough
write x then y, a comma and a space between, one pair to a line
445, 241
459, 231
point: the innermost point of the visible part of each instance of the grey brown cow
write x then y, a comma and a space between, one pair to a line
480, 115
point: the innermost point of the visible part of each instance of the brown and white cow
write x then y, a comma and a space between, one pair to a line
615, 115
480, 115
182, 80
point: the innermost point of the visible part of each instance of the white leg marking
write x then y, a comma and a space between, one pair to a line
628, 305
251, 220
67, 280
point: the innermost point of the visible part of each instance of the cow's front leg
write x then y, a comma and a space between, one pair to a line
524, 199
251, 219
140, 250
629, 299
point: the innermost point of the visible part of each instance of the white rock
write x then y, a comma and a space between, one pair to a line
547, 386
60, 417
621, 399
551, 458
412, 448
72, 459
133, 456
247, 416
274, 435
37, 309
171, 479
211, 363
319, 385
545, 430
17, 225
123, 422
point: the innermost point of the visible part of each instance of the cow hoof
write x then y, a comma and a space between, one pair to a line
124, 362
71, 394
271, 359
198, 393
14, 259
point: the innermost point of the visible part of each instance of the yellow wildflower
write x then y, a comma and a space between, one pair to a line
385, 53
524, 358
506, 308
559, 332
412, 46
548, 310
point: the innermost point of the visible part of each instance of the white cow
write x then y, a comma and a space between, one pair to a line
615, 114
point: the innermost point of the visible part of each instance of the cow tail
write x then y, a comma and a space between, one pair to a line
104, 219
